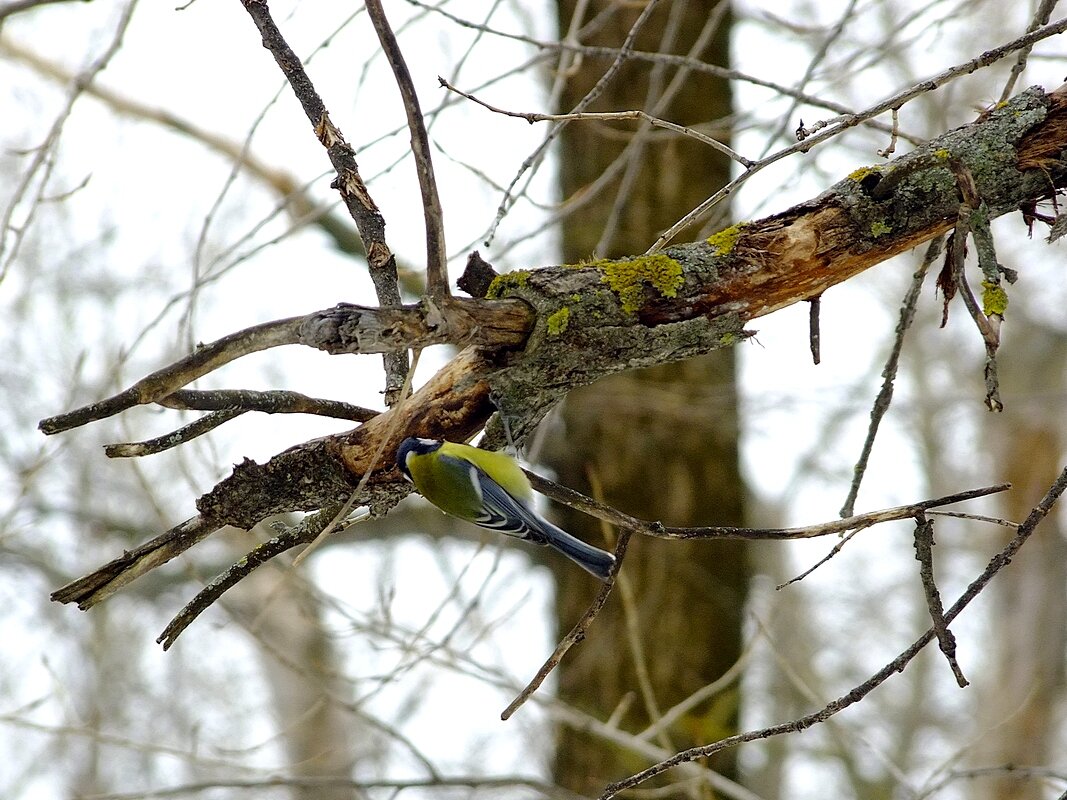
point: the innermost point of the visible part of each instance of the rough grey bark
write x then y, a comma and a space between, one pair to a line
606, 317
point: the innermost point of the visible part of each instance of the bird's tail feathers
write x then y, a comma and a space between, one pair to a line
593, 560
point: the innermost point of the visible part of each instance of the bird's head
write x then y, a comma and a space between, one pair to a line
414, 446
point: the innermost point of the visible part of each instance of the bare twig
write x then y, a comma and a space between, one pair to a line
837, 126
227, 404
837, 548
1041, 17
891, 148
576, 634
436, 257
606, 116
309, 528
995, 565
598, 88
889, 374
41, 164
593, 508
971, 219
572, 45
354, 193
924, 554
182, 435
344, 328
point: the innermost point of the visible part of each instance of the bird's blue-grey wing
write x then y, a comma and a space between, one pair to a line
501, 512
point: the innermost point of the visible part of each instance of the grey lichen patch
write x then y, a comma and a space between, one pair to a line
919, 189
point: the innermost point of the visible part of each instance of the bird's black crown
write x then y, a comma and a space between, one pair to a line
419, 447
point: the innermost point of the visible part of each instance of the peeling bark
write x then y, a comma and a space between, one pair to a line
586, 326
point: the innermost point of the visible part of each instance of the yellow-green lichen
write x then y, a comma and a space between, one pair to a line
861, 173
879, 228
626, 278
503, 285
942, 153
994, 299
725, 240
557, 323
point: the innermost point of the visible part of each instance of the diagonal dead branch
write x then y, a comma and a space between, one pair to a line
924, 554
995, 565
576, 634
345, 328
433, 214
889, 374
365, 213
595, 319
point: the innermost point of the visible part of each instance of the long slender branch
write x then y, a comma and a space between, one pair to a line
606, 116
368, 218
344, 328
995, 565
436, 256
595, 508
576, 634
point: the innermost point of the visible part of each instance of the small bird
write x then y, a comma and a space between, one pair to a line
491, 490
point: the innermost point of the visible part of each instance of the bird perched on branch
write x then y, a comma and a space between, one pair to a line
491, 490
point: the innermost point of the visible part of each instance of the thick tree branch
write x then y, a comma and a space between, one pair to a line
594, 319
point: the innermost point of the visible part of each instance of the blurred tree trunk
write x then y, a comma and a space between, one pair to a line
660, 443
1020, 697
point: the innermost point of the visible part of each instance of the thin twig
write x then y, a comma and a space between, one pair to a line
1041, 17
606, 116
837, 548
227, 404
889, 374
924, 554
361, 206
42, 163
573, 46
598, 88
598, 510
436, 256
841, 124
306, 531
576, 634
969, 219
995, 565
975, 518
175, 438
892, 146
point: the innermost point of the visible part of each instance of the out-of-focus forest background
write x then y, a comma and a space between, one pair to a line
159, 187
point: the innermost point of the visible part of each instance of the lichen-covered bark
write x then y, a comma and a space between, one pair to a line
624, 316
